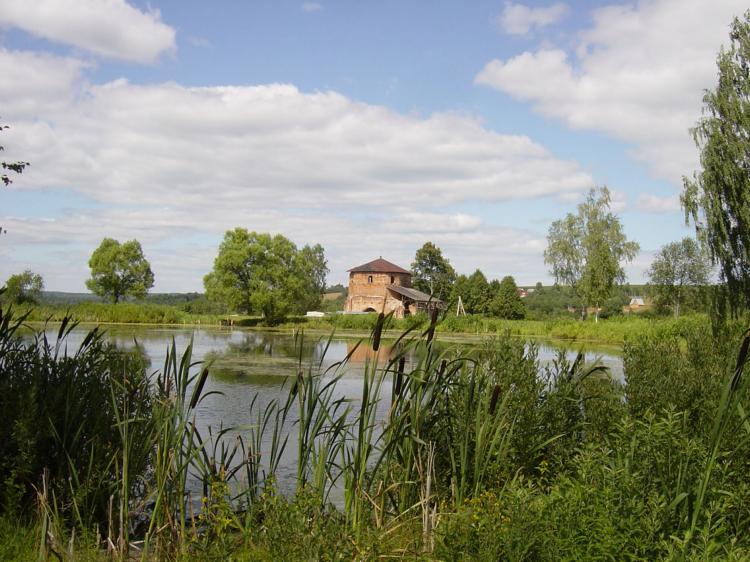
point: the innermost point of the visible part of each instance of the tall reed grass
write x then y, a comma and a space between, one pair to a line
444, 454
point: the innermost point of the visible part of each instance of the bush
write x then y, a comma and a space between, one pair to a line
60, 415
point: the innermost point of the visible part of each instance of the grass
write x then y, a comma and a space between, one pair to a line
614, 330
480, 453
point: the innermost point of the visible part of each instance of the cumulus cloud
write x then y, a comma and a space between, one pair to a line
637, 74
175, 241
519, 19
176, 166
655, 204
121, 143
110, 28
35, 83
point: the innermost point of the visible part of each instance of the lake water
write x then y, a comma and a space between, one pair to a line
249, 363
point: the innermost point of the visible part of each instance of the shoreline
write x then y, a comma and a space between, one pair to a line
474, 338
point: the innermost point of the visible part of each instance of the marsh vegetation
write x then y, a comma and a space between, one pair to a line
483, 453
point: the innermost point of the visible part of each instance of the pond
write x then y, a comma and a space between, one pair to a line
248, 364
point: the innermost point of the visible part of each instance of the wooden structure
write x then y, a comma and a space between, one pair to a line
382, 286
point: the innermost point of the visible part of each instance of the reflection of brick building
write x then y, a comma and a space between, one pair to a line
380, 285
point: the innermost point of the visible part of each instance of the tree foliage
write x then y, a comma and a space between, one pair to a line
256, 273
23, 288
544, 302
119, 270
507, 302
717, 198
679, 272
16, 167
586, 250
431, 272
475, 292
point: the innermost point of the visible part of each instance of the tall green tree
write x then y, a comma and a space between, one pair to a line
23, 288
314, 269
717, 198
679, 273
263, 274
119, 270
507, 303
478, 293
431, 272
586, 250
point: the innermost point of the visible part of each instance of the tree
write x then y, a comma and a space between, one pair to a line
717, 198
679, 271
23, 288
586, 250
507, 303
312, 264
259, 273
17, 167
474, 291
119, 270
431, 272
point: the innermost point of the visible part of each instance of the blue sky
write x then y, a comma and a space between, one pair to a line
367, 127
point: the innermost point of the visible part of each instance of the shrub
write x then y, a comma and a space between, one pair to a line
61, 416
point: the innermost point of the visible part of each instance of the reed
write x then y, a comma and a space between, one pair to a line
444, 453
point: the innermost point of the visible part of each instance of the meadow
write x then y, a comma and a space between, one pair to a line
485, 454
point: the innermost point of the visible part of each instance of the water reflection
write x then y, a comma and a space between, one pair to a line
245, 364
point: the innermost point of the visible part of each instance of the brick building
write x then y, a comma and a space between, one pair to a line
380, 285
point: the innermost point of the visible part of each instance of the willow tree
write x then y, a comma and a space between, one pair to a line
119, 270
586, 250
257, 273
23, 288
680, 272
431, 272
717, 198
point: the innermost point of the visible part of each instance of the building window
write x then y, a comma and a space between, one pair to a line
393, 279
369, 278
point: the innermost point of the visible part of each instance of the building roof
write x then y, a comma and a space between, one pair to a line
378, 266
413, 294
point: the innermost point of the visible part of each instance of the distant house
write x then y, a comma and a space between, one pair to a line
382, 286
523, 293
636, 304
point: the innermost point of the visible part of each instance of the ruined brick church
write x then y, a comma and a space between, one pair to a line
382, 286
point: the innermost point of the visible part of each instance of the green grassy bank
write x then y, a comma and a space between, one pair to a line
614, 330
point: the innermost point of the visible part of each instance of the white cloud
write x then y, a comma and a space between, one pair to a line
36, 83
618, 201
200, 42
519, 19
166, 144
311, 7
638, 74
110, 28
348, 242
175, 167
433, 223
655, 204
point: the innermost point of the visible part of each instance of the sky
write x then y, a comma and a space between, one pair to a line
368, 127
